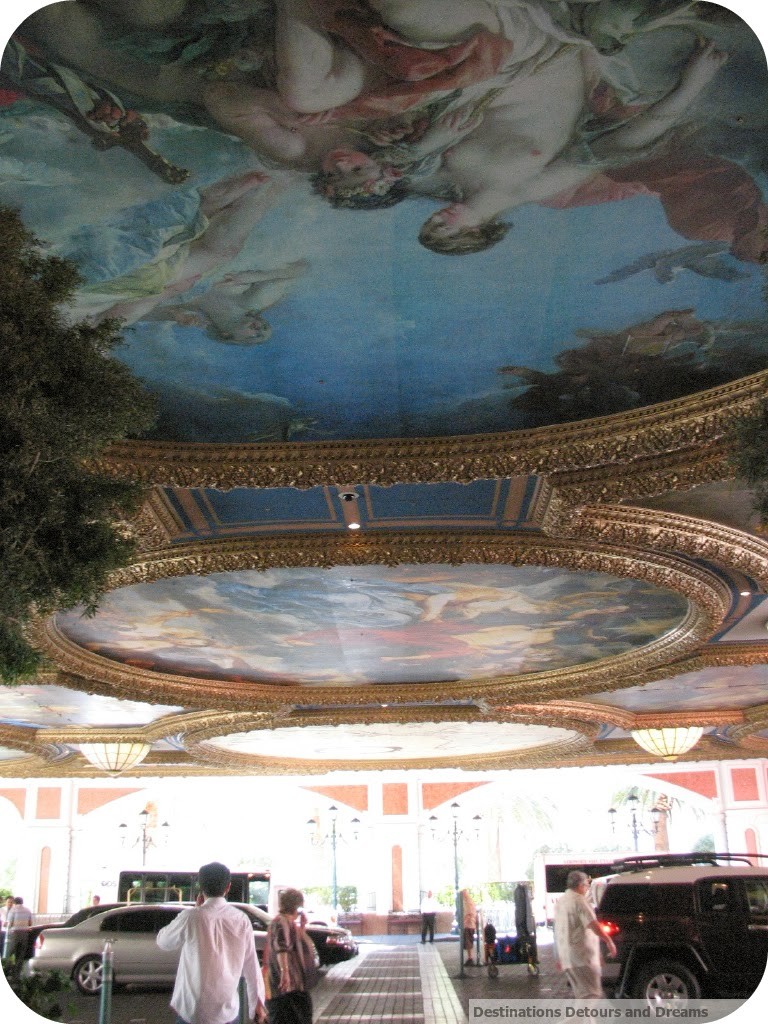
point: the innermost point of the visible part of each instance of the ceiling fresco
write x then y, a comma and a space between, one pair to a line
447, 348
604, 159
347, 626
381, 742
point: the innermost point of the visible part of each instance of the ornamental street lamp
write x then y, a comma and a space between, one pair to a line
635, 822
145, 839
333, 837
456, 833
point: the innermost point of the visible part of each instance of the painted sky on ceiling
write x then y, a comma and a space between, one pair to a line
374, 624
367, 327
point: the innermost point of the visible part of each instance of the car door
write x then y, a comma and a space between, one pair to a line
756, 893
259, 923
722, 927
137, 956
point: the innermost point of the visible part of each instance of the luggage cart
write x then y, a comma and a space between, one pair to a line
521, 947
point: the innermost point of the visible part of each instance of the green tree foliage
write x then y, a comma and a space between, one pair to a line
43, 994
65, 398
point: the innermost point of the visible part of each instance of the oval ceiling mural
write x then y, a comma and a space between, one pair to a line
372, 624
563, 199
388, 742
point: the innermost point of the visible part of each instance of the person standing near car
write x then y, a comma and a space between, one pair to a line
217, 948
4, 912
17, 924
287, 955
577, 938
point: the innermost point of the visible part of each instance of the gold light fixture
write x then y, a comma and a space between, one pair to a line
115, 758
668, 743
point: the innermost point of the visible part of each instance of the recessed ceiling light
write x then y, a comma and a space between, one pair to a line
745, 593
353, 526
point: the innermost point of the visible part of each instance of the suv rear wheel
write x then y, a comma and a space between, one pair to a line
665, 981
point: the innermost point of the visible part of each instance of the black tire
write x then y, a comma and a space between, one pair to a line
87, 975
665, 981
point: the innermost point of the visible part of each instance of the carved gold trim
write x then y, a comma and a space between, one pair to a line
18, 738
689, 426
709, 601
668, 531
628, 720
155, 525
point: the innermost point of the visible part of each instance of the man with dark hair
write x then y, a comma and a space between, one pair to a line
577, 938
217, 948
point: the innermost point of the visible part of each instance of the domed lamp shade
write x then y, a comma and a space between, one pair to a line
668, 744
115, 758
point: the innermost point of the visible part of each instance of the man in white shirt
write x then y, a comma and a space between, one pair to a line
429, 908
577, 939
217, 949
17, 924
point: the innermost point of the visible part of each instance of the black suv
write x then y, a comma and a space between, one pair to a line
686, 926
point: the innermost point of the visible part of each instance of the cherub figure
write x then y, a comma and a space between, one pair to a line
231, 310
229, 210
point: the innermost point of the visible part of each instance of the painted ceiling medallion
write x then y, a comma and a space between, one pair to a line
353, 626
385, 742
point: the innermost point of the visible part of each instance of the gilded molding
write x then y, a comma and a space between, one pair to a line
155, 525
18, 738
755, 721
646, 477
620, 718
214, 725
708, 596
688, 426
666, 531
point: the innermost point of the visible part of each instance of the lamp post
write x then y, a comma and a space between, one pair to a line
456, 833
333, 837
144, 839
635, 823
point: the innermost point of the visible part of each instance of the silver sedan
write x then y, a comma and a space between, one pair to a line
77, 951
137, 959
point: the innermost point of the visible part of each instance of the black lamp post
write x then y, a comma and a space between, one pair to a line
144, 838
333, 837
456, 834
635, 824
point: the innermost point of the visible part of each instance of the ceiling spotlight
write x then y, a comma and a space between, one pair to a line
745, 593
348, 496
353, 526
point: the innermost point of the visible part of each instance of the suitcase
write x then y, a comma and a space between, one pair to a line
507, 951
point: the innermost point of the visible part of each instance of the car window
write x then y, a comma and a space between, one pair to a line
85, 913
81, 915
718, 895
139, 921
256, 922
757, 895
656, 900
